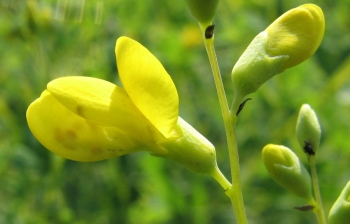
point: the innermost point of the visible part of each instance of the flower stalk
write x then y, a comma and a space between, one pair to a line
235, 192
318, 209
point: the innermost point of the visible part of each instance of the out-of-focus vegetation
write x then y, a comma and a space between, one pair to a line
42, 40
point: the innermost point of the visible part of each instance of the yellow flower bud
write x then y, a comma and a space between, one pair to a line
288, 41
308, 130
287, 170
297, 33
340, 211
203, 10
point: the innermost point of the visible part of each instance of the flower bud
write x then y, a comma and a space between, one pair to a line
308, 130
340, 211
203, 10
192, 150
287, 42
287, 170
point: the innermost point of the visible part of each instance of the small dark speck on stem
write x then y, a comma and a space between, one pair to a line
209, 31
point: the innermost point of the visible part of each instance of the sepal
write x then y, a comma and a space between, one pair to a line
192, 150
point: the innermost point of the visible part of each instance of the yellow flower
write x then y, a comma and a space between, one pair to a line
288, 41
89, 119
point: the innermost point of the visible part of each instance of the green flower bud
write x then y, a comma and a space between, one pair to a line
308, 130
192, 150
287, 42
287, 170
340, 211
203, 10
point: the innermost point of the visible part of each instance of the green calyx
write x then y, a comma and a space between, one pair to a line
340, 211
191, 150
308, 130
286, 169
203, 10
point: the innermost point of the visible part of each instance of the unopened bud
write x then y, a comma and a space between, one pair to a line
308, 130
288, 41
287, 170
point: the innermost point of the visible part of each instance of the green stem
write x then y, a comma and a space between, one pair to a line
235, 192
318, 210
221, 179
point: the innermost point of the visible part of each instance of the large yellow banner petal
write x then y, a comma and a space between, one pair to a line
70, 136
147, 83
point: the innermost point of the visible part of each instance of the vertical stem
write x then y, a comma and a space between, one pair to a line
318, 210
235, 192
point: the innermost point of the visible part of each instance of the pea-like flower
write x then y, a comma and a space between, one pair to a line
288, 41
89, 119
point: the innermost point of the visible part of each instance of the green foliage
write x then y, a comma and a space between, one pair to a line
43, 40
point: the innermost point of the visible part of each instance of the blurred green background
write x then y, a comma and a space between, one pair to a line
42, 40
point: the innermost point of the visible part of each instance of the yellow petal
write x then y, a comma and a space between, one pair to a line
319, 22
71, 136
102, 103
297, 33
147, 83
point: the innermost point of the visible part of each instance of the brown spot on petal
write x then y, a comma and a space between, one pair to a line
70, 135
112, 150
96, 151
66, 138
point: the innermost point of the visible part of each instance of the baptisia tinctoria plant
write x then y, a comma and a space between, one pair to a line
89, 119
287, 42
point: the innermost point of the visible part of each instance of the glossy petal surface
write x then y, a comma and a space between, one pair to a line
70, 136
148, 85
297, 33
102, 103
